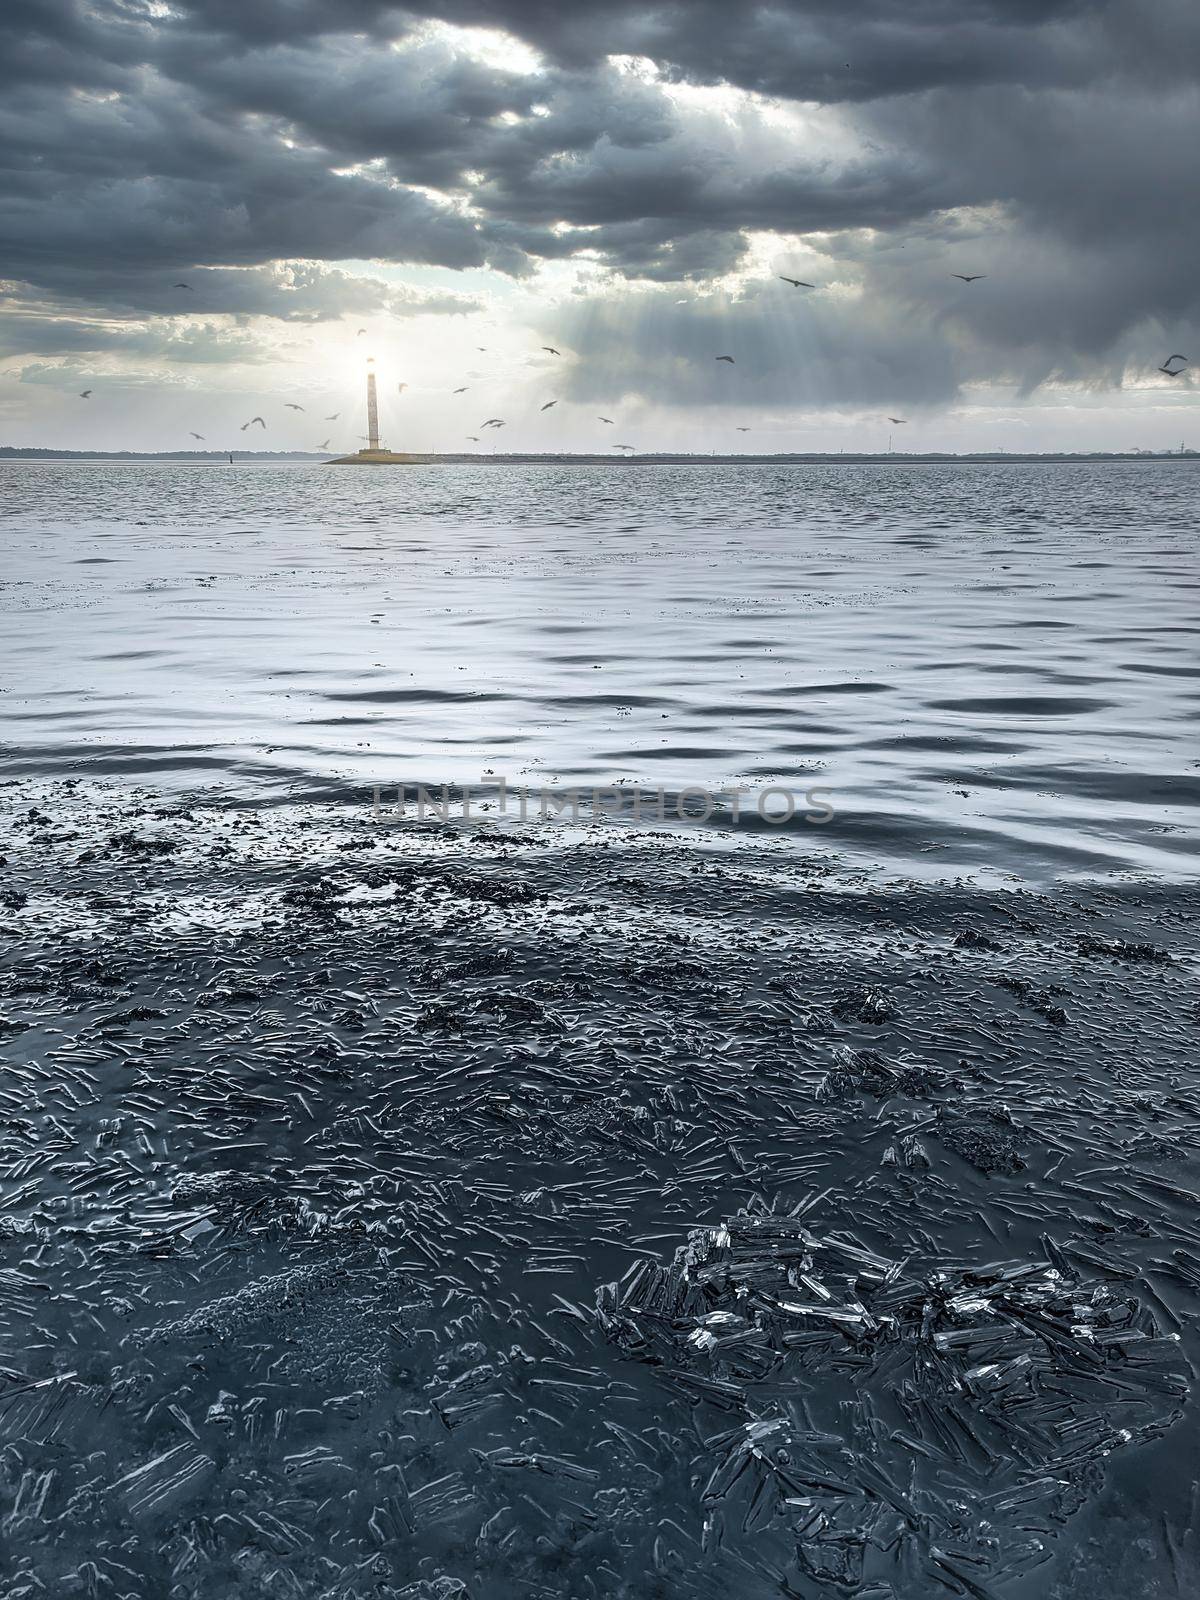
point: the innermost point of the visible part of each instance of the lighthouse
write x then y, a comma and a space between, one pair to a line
372, 408
374, 455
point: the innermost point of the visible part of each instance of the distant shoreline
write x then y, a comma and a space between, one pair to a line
201, 458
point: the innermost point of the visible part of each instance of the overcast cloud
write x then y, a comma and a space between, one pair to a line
493, 173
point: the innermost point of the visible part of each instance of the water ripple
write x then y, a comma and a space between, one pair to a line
295, 629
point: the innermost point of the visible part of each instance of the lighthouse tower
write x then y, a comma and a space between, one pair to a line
374, 455
372, 408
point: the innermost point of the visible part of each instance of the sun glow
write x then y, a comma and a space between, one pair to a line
492, 46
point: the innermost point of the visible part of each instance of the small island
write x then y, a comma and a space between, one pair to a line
377, 457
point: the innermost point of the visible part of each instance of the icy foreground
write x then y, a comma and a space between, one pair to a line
435, 1212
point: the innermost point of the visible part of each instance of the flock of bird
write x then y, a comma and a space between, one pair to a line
1168, 367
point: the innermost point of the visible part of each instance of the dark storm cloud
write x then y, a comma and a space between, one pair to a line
1091, 239
784, 356
875, 355
151, 182
1044, 142
817, 50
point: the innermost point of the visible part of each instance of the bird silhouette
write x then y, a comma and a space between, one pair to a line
292, 406
198, 436
548, 404
259, 420
1172, 372
624, 447
796, 283
1169, 360
181, 286
897, 420
730, 360
334, 417
550, 350
969, 277
743, 430
360, 333
606, 419
324, 446
492, 422
474, 438
85, 394
463, 390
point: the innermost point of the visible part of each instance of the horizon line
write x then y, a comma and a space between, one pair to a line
35, 453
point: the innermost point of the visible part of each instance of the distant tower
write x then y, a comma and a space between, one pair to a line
372, 408
373, 453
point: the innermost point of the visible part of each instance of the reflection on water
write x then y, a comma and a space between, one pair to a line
987, 666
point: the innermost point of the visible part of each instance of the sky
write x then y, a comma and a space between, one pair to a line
449, 188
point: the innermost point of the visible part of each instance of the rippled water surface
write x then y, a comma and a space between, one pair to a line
985, 667
588, 1211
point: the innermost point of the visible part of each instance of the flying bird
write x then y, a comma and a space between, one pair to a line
360, 333
1172, 372
181, 286
897, 420
85, 394
1169, 360
605, 419
492, 422
292, 406
324, 446
474, 438
730, 360
198, 436
463, 390
334, 417
743, 430
548, 404
624, 447
796, 283
259, 420
969, 277
550, 350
